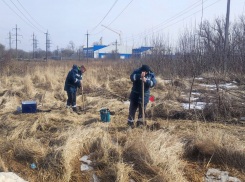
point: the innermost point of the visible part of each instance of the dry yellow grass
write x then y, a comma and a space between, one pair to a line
55, 140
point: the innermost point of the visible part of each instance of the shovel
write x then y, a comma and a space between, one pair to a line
83, 106
143, 103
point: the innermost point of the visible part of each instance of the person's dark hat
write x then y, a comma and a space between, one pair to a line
145, 68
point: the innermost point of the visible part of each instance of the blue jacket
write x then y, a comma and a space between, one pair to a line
73, 80
136, 93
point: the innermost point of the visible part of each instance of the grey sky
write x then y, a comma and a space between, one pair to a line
69, 20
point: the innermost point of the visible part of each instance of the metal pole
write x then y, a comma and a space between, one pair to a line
33, 44
79, 54
9, 41
143, 103
226, 34
16, 44
87, 46
47, 46
83, 100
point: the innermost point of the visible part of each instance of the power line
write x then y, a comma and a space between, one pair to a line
177, 21
27, 18
31, 16
115, 18
17, 14
172, 18
104, 16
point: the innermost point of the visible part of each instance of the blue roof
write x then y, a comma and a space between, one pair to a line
141, 49
97, 47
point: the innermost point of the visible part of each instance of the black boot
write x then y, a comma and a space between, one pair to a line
74, 109
130, 125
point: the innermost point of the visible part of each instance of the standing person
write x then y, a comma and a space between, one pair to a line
147, 76
73, 80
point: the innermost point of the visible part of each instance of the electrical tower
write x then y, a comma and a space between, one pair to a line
35, 44
10, 39
16, 34
47, 45
33, 39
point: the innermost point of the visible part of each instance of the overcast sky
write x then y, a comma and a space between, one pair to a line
68, 21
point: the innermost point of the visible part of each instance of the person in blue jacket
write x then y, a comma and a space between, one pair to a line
145, 75
73, 81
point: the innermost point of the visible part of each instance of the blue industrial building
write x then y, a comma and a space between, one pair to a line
91, 50
137, 53
124, 52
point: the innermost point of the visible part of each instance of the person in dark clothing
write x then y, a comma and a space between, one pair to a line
145, 75
73, 81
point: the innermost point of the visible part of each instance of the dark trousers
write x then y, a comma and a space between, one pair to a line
132, 110
71, 101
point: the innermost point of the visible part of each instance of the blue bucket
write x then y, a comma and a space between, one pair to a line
105, 115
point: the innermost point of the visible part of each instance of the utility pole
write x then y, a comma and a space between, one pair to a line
33, 39
57, 50
16, 34
116, 45
87, 46
47, 45
79, 53
226, 35
35, 45
10, 41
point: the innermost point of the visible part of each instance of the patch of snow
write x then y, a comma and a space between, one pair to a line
196, 105
195, 93
215, 175
85, 159
193, 98
126, 102
131, 180
213, 87
85, 167
228, 85
206, 85
94, 178
200, 78
242, 119
10, 177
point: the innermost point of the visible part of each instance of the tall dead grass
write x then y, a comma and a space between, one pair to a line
55, 140
214, 146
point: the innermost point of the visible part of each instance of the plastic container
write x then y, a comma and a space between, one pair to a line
105, 115
33, 166
29, 106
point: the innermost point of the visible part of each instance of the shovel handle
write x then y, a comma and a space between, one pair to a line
143, 102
